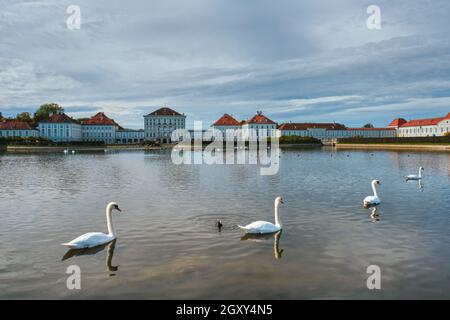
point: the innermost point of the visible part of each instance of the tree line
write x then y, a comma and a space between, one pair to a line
41, 114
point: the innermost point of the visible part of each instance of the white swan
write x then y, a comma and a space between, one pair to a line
73, 151
92, 239
415, 177
263, 226
66, 151
370, 201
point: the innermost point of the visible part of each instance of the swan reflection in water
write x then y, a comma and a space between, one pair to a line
260, 237
421, 187
374, 214
94, 250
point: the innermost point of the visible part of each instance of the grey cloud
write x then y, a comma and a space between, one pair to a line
207, 57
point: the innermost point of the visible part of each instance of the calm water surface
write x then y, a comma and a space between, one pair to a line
168, 246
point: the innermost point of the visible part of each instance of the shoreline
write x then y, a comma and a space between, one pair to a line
81, 148
385, 146
367, 146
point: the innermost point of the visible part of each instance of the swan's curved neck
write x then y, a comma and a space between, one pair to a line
374, 189
420, 173
277, 215
111, 230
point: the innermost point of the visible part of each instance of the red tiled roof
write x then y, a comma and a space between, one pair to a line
306, 126
423, 122
100, 119
164, 112
227, 120
15, 125
259, 118
60, 118
400, 122
397, 122
371, 129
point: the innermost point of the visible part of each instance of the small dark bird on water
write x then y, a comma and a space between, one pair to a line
219, 224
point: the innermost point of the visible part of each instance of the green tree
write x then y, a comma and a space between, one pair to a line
1, 117
45, 110
24, 116
82, 119
368, 125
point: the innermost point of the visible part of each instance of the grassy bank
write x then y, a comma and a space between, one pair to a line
398, 141
81, 148
391, 146
299, 140
41, 142
407, 143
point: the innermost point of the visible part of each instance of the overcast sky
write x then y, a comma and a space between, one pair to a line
294, 60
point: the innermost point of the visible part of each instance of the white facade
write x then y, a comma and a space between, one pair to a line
101, 133
60, 132
254, 131
229, 133
259, 126
444, 126
100, 128
27, 133
224, 129
159, 125
432, 127
228, 126
372, 133
439, 129
60, 128
324, 133
129, 136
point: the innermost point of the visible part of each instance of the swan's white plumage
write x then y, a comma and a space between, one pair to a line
93, 239
89, 240
260, 227
264, 226
372, 200
415, 176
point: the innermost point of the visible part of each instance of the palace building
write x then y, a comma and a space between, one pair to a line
17, 129
421, 127
259, 126
100, 128
332, 131
59, 127
159, 124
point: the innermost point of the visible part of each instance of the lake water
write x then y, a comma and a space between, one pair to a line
168, 245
